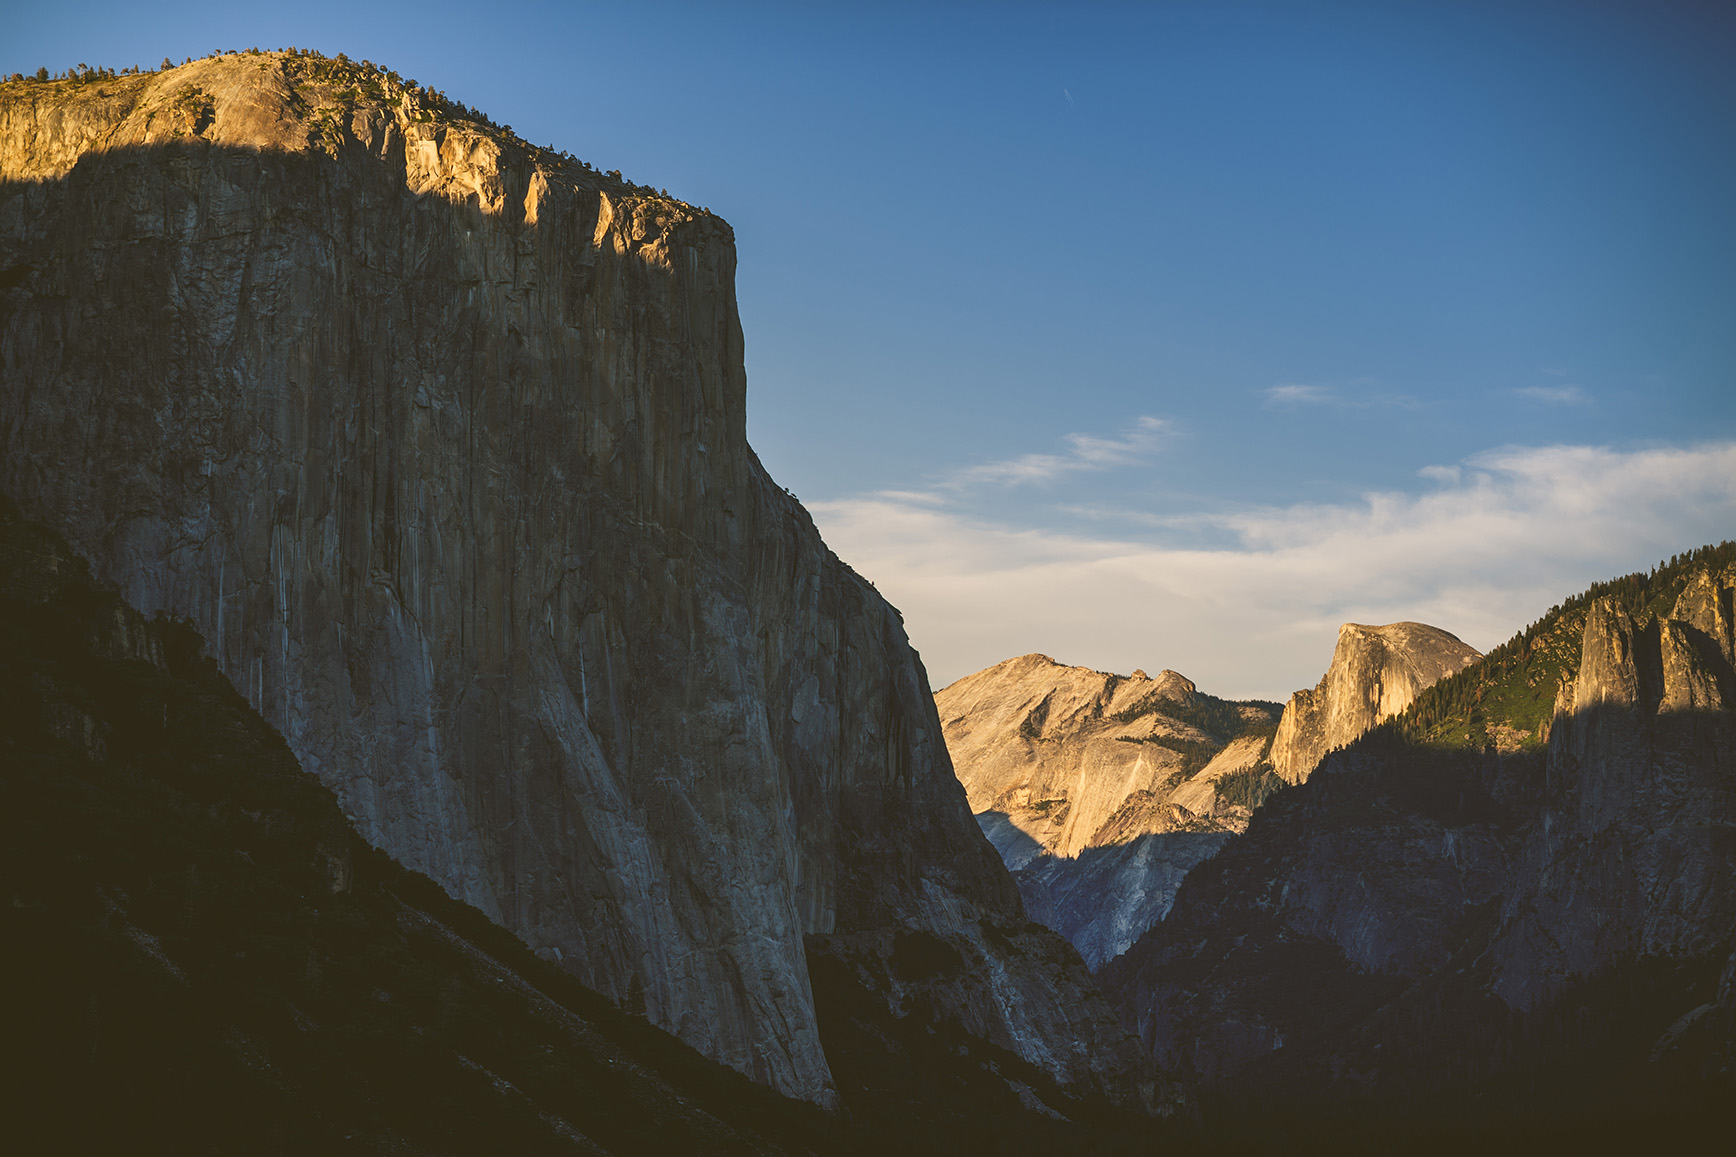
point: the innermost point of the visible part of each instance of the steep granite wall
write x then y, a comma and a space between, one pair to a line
1634, 854
439, 438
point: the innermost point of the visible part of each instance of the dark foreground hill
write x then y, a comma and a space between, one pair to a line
198, 955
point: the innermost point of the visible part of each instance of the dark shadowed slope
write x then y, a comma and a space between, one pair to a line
199, 955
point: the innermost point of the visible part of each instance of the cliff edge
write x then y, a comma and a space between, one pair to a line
438, 438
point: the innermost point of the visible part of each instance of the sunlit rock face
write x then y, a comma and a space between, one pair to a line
1091, 786
439, 439
1393, 922
1376, 672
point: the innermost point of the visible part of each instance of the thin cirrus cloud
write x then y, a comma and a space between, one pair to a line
1296, 395
1554, 395
1292, 394
1489, 546
1084, 452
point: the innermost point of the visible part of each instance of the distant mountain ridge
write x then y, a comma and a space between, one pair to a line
1031, 738
1518, 894
1103, 791
1100, 790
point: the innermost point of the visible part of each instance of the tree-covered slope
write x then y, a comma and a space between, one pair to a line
1508, 699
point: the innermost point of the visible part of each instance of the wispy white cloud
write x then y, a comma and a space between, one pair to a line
1295, 395
1446, 475
919, 497
1292, 394
1555, 395
1084, 452
1490, 546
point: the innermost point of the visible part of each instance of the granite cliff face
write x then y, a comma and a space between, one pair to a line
1634, 856
1102, 791
215, 962
1376, 672
1524, 886
439, 439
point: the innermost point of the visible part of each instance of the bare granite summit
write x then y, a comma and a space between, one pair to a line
1376, 672
1101, 791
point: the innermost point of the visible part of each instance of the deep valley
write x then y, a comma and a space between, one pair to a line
426, 727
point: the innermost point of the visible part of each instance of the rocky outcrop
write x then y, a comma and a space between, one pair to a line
439, 439
1632, 856
1376, 672
1480, 898
1101, 791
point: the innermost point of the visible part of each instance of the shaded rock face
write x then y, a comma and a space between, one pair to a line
1634, 855
1100, 791
1376, 672
1472, 897
439, 440
150, 876
1106, 897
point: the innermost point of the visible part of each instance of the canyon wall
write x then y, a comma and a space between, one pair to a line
439, 439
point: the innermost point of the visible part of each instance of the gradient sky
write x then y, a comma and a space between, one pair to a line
1163, 335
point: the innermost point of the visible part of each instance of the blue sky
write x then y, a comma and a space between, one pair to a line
1170, 334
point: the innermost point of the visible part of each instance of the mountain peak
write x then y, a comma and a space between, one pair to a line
439, 438
1073, 772
1376, 672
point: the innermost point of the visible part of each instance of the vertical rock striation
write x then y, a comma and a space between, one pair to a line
439, 438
